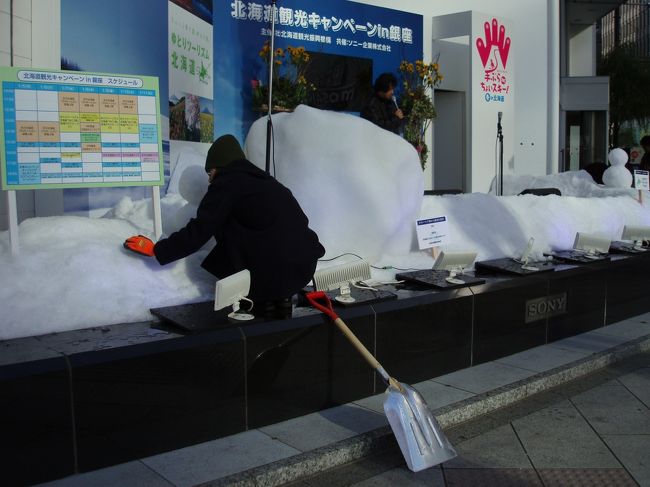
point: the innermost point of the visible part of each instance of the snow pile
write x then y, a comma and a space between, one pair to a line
72, 272
360, 186
501, 226
571, 183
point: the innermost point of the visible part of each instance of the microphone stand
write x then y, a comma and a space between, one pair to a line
500, 139
269, 123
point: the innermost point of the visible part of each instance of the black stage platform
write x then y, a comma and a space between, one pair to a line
511, 267
83, 400
578, 257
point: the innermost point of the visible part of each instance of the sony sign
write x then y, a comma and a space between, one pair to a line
540, 308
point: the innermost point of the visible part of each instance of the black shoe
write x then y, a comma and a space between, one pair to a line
276, 309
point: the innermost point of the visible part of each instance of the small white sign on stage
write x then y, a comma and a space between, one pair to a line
432, 232
642, 180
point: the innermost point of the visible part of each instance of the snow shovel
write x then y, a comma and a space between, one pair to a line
418, 434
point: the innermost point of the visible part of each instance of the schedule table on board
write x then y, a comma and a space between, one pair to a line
69, 129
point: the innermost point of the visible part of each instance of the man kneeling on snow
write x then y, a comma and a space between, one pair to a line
257, 223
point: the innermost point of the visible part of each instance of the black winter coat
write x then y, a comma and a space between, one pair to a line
258, 225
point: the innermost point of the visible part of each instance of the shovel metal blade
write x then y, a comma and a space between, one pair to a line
422, 441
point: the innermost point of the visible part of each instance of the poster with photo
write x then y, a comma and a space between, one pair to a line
191, 113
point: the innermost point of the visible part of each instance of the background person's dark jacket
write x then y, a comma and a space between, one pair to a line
645, 162
381, 112
258, 225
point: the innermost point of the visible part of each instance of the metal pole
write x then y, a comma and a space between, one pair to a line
269, 123
12, 207
500, 168
500, 162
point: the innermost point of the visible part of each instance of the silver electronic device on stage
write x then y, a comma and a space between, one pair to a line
591, 245
447, 273
525, 257
636, 234
340, 277
455, 263
345, 284
230, 291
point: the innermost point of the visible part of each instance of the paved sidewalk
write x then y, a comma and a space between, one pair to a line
591, 432
611, 418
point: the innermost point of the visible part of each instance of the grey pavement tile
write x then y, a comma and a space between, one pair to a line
360, 470
374, 403
612, 409
630, 329
550, 437
634, 453
581, 477
484, 377
638, 382
641, 317
436, 395
501, 477
405, 478
215, 459
590, 342
541, 359
132, 474
325, 427
498, 448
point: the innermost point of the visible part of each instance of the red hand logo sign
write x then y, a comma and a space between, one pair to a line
494, 37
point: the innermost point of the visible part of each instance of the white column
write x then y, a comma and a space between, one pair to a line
553, 132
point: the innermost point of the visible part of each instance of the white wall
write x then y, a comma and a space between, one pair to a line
22, 56
36, 43
531, 22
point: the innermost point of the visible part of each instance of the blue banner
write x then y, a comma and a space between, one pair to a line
133, 37
339, 27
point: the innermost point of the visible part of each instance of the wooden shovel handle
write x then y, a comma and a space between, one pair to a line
361, 348
322, 302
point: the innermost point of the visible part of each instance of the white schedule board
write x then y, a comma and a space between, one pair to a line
72, 129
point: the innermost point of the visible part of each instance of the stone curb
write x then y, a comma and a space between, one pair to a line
342, 452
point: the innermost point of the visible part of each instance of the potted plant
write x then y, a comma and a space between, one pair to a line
290, 87
418, 80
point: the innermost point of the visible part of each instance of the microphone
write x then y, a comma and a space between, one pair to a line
499, 120
395, 101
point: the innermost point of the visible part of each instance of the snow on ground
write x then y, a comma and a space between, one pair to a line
571, 183
72, 272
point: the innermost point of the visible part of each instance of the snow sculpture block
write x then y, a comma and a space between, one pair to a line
361, 186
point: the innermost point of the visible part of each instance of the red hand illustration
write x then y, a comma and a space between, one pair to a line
496, 36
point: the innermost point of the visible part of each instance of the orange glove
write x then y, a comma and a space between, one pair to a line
140, 245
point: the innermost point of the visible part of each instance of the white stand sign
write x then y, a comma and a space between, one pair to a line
12, 214
641, 182
157, 213
432, 232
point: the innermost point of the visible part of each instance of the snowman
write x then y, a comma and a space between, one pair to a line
617, 175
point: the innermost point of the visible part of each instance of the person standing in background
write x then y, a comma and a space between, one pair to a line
645, 160
381, 109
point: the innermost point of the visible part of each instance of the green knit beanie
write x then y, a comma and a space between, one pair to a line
224, 150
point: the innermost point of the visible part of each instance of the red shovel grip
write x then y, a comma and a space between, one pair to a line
320, 301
